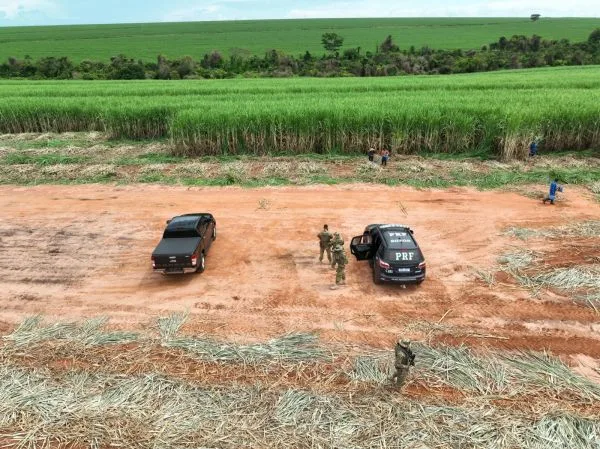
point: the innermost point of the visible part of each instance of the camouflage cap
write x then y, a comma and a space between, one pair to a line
404, 343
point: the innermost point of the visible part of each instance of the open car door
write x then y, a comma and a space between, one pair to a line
362, 247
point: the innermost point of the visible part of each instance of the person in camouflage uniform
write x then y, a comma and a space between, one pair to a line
339, 259
405, 358
337, 240
325, 238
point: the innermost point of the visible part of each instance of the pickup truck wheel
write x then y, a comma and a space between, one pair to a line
201, 264
214, 236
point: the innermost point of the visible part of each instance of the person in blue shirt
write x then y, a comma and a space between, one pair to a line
554, 187
533, 149
385, 156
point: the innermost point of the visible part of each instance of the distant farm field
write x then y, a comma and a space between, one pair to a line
499, 112
146, 41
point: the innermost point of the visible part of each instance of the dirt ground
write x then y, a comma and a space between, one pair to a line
77, 251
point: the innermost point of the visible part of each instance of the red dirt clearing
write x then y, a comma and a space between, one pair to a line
77, 251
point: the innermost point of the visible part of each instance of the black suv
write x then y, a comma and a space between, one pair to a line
393, 253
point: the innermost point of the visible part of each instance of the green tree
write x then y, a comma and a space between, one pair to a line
186, 67
51, 67
352, 54
163, 71
214, 60
124, 68
388, 46
594, 37
332, 42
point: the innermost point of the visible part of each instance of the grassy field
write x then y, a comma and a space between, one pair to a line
81, 158
87, 386
498, 113
146, 41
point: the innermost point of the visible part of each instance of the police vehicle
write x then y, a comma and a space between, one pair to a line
392, 252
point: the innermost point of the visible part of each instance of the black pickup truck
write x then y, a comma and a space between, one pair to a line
185, 243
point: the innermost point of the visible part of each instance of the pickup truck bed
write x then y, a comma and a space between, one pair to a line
176, 247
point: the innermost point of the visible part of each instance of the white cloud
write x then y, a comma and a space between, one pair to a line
208, 12
221, 10
516, 8
473, 8
348, 9
13, 9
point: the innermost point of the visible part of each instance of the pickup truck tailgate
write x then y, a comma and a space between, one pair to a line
175, 253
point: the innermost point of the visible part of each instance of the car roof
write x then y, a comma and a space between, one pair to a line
389, 227
187, 221
386, 228
393, 226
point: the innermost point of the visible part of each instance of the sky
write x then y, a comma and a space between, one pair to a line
57, 12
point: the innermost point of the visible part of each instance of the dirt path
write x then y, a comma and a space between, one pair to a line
70, 252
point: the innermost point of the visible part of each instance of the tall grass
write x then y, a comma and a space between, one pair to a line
93, 405
102, 410
499, 113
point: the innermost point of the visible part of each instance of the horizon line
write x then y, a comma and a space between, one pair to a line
297, 19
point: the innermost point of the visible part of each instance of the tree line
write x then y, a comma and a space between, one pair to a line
387, 59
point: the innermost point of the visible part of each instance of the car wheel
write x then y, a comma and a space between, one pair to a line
376, 278
214, 236
420, 282
201, 264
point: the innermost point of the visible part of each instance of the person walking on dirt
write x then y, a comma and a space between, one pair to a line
554, 187
404, 359
385, 155
325, 238
339, 259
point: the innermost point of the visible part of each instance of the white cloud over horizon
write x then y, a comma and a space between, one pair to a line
507, 8
284, 9
47, 12
186, 14
12, 9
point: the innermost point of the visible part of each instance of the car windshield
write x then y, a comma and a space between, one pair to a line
181, 227
399, 239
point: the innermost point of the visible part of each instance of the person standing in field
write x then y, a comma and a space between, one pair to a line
340, 260
371, 154
554, 187
325, 238
385, 155
533, 149
404, 359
